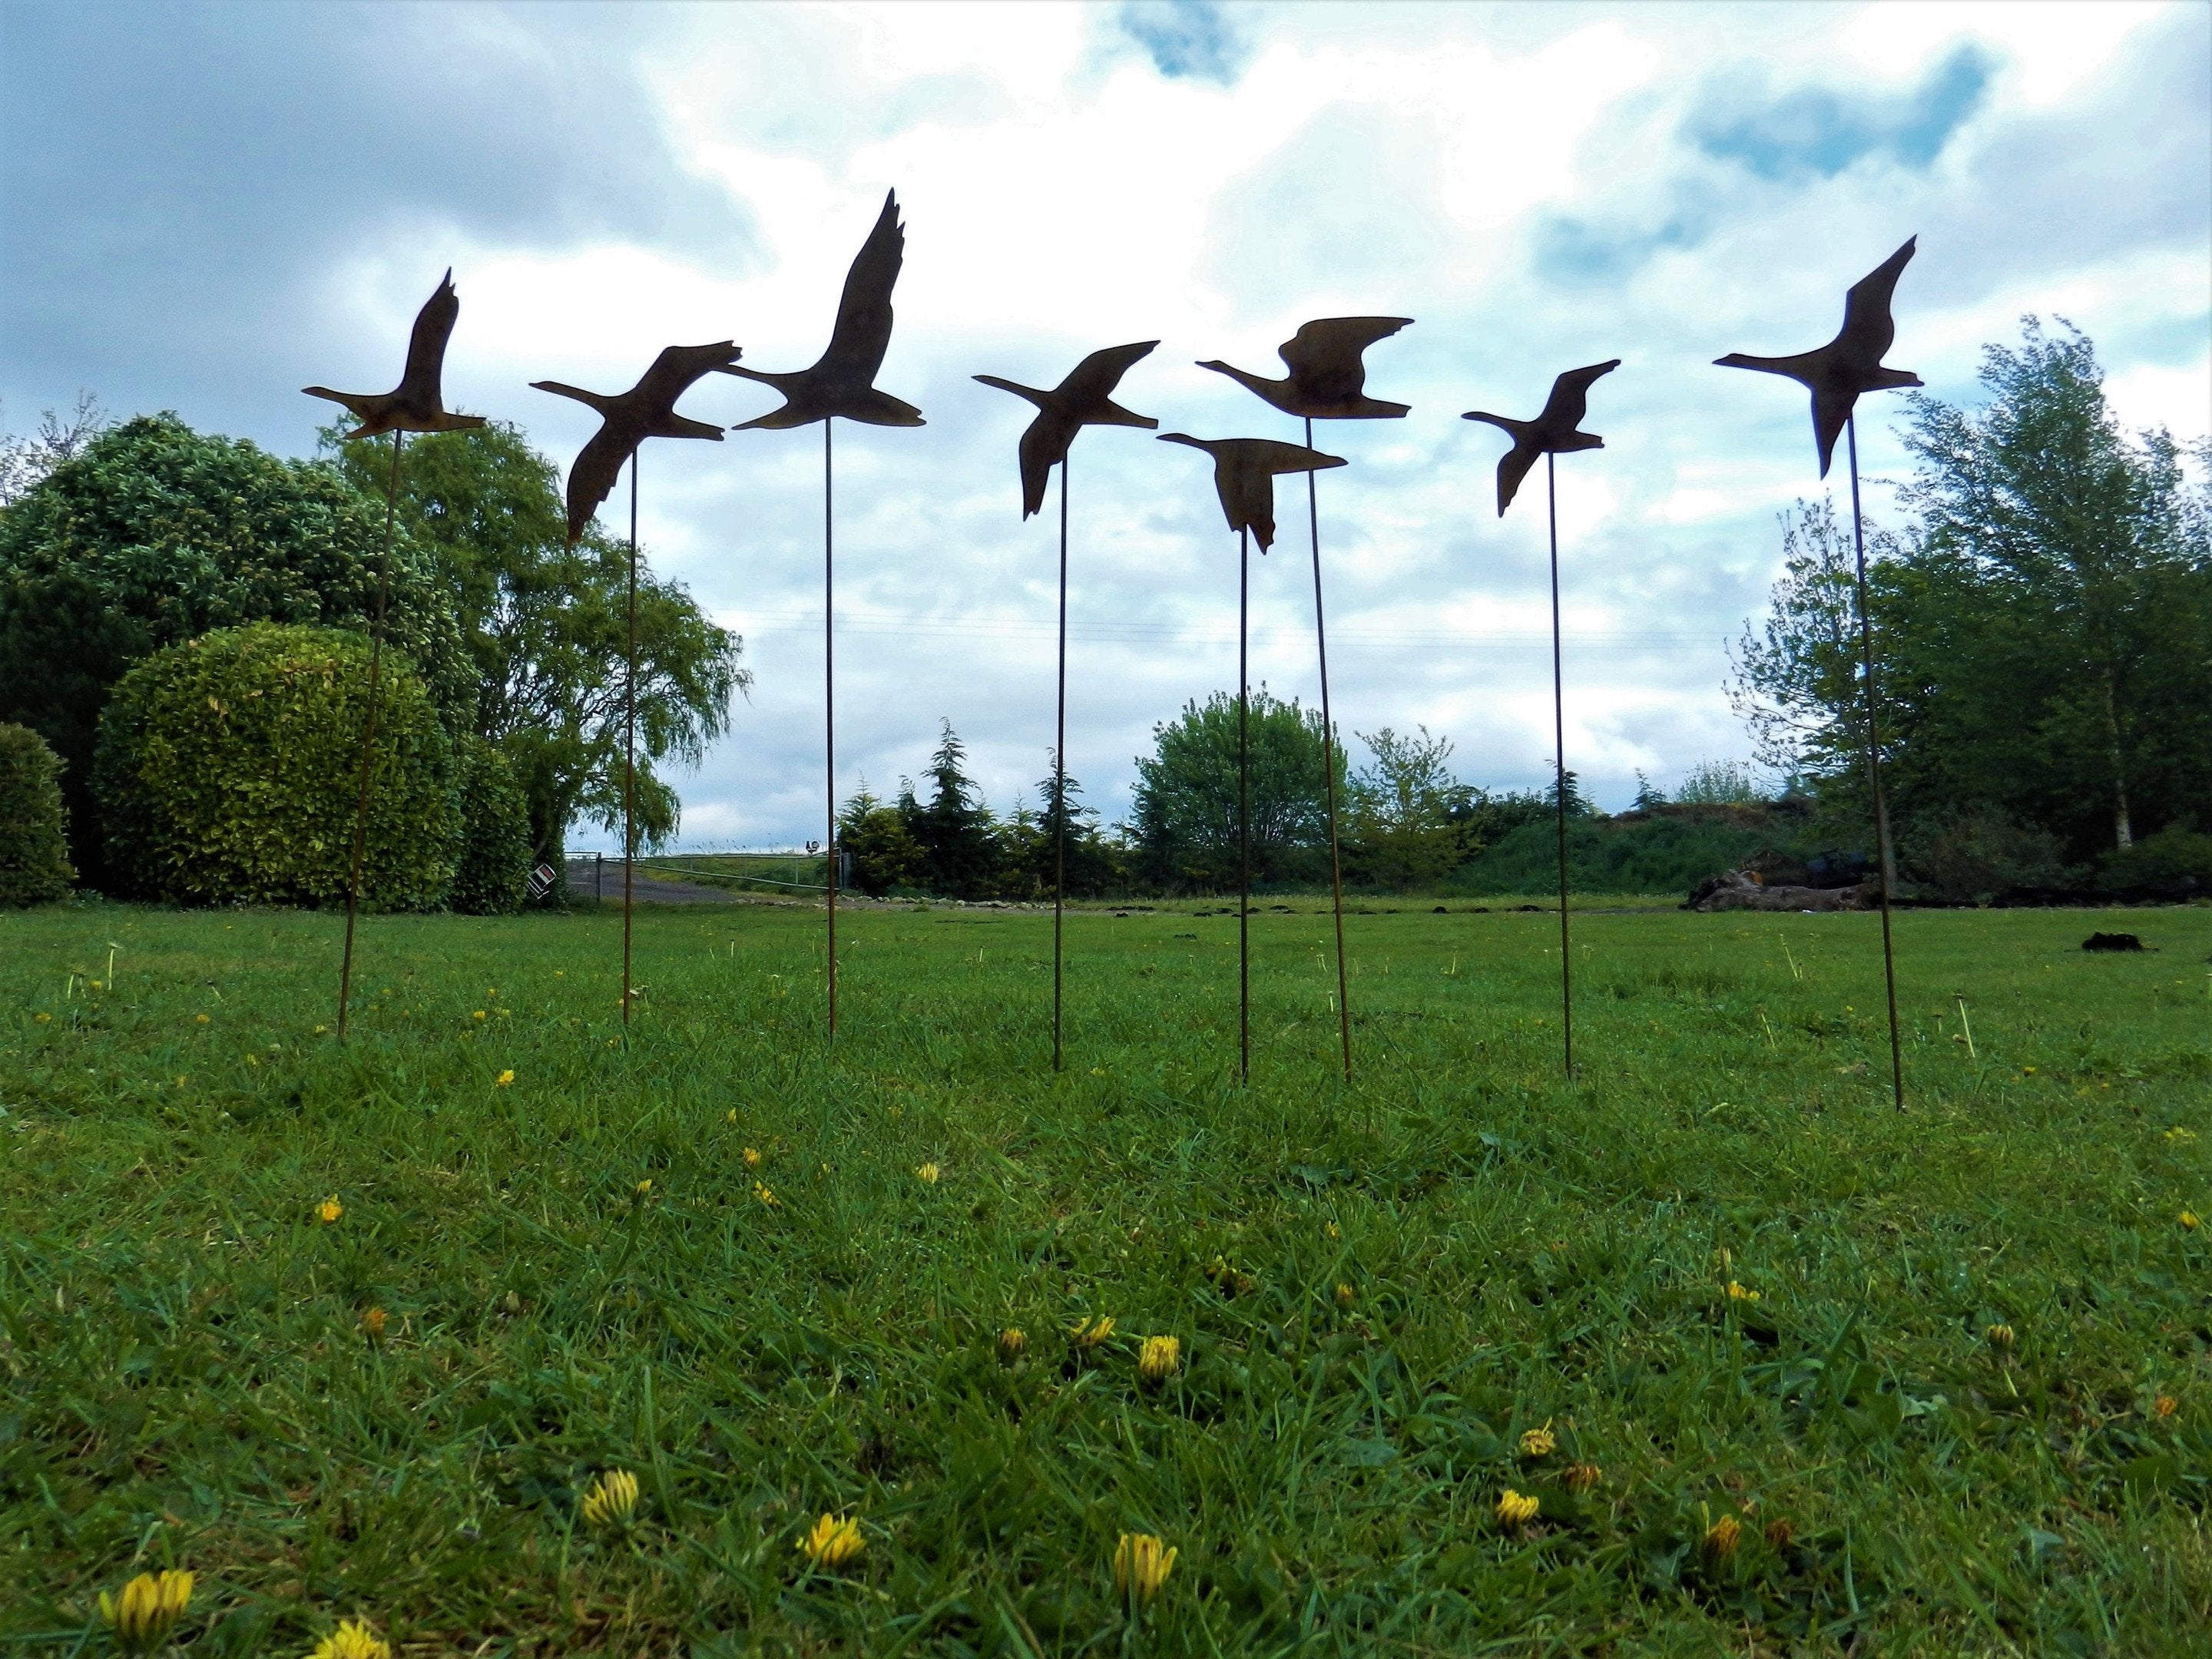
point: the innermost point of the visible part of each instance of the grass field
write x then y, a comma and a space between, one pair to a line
1376, 1290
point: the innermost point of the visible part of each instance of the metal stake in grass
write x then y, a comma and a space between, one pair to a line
647, 409
1244, 471
1328, 381
1085, 398
415, 405
842, 382
1551, 433
1835, 374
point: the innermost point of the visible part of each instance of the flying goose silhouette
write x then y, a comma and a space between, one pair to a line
1244, 471
647, 409
416, 403
843, 381
1085, 398
1552, 432
1852, 362
1328, 379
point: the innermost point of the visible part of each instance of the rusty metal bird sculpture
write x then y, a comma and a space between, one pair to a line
1329, 378
1836, 374
627, 419
416, 403
1244, 473
843, 381
647, 409
1852, 362
1085, 398
1552, 433
1328, 381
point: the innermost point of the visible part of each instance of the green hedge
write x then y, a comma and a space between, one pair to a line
491, 873
35, 867
226, 770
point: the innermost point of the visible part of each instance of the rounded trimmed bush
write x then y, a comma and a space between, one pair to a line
491, 873
35, 866
226, 769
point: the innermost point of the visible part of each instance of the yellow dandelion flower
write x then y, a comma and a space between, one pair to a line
148, 1609
612, 1501
833, 1541
766, 1197
1343, 1295
752, 1156
373, 1323
1737, 1293
504, 1078
645, 1187
320, 1030
732, 1115
1538, 1442
479, 1014
2002, 1338
2166, 1405
199, 1019
1089, 1333
1160, 1358
2179, 1135
928, 1172
1514, 1509
2188, 1219
1333, 1230
330, 1209
1142, 1562
43, 1019
1721, 1538
1013, 1342
351, 1640
1583, 1477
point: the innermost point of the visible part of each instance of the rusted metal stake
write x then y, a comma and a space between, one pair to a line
1874, 771
368, 735
829, 710
1244, 817
1328, 770
1059, 779
1559, 743
629, 743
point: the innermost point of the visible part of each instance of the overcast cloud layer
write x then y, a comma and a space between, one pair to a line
208, 207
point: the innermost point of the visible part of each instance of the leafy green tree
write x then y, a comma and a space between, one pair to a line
1405, 823
546, 626
227, 770
1028, 855
491, 869
2041, 627
1184, 817
152, 534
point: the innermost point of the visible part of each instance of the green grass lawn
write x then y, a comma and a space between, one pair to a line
1377, 1290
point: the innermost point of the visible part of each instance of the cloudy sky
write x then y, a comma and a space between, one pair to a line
206, 207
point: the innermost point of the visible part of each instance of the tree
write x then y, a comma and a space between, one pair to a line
955, 829
1030, 856
546, 625
35, 866
2041, 627
1185, 814
27, 461
152, 534
884, 855
1405, 819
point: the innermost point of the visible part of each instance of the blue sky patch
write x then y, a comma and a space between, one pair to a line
1818, 132
1188, 40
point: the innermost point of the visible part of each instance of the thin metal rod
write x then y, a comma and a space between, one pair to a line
1874, 772
1243, 817
1328, 770
829, 716
1060, 777
367, 737
1560, 787
630, 739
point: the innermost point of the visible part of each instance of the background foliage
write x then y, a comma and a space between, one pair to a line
34, 867
228, 769
153, 534
492, 862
